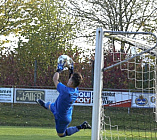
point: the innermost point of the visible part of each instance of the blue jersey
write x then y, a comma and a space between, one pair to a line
67, 97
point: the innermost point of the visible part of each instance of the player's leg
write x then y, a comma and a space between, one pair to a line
71, 130
44, 104
84, 125
62, 126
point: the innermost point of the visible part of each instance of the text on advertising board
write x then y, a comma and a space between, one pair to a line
29, 95
6, 95
84, 97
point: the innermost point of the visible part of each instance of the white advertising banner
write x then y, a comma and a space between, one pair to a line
6, 95
51, 95
143, 100
23, 95
85, 98
31, 95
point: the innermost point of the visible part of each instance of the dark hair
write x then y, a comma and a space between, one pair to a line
77, 79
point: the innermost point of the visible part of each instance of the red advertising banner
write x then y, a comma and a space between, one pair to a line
116, 99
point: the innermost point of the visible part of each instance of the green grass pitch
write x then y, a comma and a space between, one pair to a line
38, 133
44, 133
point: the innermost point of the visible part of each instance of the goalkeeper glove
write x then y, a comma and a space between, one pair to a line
71, 69
60, 67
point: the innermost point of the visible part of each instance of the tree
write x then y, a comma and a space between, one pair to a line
10, 18
118, 15
10, 12
44, 33
48, 31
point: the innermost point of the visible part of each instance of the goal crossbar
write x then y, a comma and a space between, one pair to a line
132, 42
117, 36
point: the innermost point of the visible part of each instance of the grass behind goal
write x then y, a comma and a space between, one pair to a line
31, 122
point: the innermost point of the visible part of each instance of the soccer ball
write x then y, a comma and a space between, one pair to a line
66, 60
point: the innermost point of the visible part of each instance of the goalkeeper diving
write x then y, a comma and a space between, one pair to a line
62, 108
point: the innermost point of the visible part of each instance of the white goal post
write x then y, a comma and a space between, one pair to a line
98, 83
99, 69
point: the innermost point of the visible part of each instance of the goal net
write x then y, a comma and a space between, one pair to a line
124, 99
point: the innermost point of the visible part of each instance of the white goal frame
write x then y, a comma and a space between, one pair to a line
98, 75
98, 83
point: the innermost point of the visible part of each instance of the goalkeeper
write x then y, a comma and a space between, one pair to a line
63, 106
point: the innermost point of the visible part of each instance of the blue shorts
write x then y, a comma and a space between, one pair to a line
61, 123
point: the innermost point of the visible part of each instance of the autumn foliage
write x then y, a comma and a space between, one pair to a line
15, 73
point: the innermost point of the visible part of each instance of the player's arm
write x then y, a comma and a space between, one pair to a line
56, 79
60, 68
71, 68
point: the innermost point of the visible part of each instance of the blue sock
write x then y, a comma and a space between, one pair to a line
48, 105
71, 130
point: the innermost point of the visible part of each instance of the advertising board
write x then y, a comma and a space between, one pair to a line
6, 95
